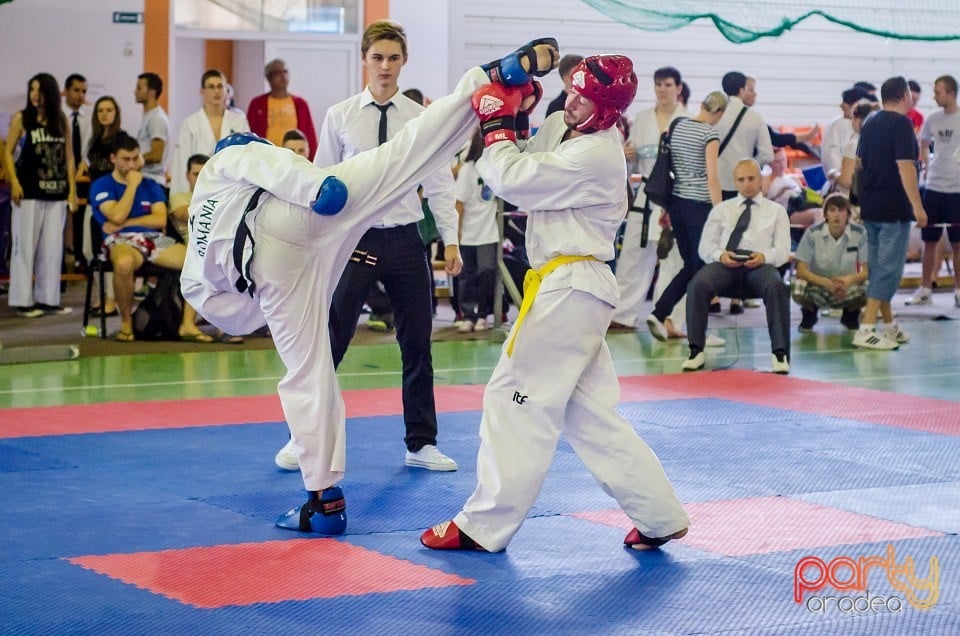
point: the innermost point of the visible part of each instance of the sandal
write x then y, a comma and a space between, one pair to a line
198, 338
95, 312
124, 336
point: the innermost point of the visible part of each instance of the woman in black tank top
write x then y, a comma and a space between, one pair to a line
44, 170
41, 179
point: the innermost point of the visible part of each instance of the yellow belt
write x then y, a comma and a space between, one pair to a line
531, 285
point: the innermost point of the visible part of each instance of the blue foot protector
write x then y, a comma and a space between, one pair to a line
324, 513
331, 197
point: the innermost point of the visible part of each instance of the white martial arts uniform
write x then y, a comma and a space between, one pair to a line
636, 265
560, 376
196, 137
299, 255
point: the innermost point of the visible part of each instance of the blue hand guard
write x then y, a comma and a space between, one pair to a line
511, 71
331, 198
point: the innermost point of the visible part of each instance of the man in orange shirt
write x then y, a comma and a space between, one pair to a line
273, 114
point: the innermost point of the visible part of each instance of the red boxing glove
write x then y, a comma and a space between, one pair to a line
531, 93
532, 90
497, 106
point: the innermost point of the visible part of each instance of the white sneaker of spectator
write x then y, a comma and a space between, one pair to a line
465, 326
287, 457
431, 458
895, 333
780, 362
480, 325
869, 338
714, 341
920, 297
657, 328
695, 362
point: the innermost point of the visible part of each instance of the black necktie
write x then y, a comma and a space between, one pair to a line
382, 131
77, 158
734, 242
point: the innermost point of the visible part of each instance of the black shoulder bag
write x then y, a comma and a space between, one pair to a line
658, 185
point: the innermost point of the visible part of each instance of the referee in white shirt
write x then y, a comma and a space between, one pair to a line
392, 251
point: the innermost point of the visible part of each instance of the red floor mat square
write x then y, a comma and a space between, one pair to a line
248, 573
758, 525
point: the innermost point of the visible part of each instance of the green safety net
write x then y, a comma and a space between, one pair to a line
740, 22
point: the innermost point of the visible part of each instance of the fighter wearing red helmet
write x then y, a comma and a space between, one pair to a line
610, 83
555, 374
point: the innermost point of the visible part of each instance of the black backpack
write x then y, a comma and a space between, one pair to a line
158, 316
658, 186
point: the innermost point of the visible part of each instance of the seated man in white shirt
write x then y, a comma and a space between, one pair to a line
744, 240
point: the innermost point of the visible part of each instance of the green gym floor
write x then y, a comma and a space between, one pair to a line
928, 366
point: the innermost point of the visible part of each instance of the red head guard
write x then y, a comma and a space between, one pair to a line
610, 83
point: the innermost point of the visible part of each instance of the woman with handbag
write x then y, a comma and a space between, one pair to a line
694, 146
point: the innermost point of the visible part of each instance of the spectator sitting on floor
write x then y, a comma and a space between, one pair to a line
831, 267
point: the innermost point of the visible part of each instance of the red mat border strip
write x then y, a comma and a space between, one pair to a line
925, 414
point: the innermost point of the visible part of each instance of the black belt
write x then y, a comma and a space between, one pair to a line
244, 282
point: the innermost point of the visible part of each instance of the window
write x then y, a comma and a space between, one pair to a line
273, 16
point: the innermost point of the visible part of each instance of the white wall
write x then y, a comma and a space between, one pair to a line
188, 56
800, 75
248, 63
427, 24
60, 38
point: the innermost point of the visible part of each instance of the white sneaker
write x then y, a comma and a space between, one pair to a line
871, 339
694, 363
466, 326
920, 297
480, 325
431, 458
714, 341
287, 457
780, 365
895, 333
657, 329
29, 312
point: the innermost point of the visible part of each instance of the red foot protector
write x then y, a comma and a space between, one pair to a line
447, 536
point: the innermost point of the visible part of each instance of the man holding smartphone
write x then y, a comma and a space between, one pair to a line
744, 241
